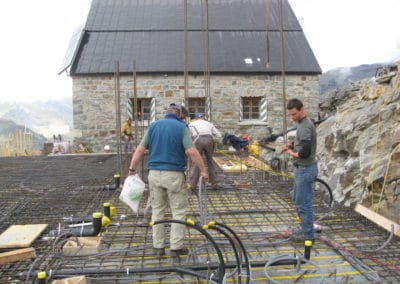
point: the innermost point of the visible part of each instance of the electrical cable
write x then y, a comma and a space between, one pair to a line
295, 259
241, 246
192, 224
213, 225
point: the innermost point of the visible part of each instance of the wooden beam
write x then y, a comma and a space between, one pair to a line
21, 236
378, 219
16, 255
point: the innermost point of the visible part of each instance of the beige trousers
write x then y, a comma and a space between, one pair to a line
168, 189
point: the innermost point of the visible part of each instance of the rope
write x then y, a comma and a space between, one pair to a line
375, 156
386, 175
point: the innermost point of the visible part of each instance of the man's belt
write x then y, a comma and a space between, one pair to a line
302, 166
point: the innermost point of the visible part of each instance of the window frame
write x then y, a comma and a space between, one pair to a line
143, 107
251, 106
196, 105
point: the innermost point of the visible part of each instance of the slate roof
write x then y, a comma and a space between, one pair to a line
151, 32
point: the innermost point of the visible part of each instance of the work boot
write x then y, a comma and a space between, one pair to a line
215, 186
181, 251
159, 251
297, 236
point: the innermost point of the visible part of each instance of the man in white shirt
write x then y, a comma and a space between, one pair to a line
204, 135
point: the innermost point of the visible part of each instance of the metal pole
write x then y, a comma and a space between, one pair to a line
284, 126
118, 118
203, 202
135, 103
207, 55
185, 59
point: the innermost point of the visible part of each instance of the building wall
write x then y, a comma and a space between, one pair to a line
95, 112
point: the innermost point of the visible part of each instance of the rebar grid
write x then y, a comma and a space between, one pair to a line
259, 214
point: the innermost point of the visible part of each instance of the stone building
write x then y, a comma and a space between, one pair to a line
220, 57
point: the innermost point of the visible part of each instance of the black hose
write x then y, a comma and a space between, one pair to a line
238, 260
329, 191
82, 231
246, 258
192, 224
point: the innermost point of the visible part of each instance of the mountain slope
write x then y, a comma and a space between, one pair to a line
9, 136
338, 77
47, 118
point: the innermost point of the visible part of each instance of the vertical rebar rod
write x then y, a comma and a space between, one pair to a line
205, 56
283, 67
267, 21
118, 118
135, 103
208, 91
186, 57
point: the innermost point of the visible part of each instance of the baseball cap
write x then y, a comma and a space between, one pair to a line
199, 115
179, 108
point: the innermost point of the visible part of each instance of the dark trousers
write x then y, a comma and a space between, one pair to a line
205, 146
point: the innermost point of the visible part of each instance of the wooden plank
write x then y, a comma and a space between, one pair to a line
16, 255
228, 165
87, 245
378, 219
20, 236
257, 164
71, 280
237, 164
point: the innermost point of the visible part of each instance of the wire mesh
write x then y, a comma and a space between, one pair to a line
257, 208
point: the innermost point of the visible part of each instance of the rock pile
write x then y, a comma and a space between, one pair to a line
358, 145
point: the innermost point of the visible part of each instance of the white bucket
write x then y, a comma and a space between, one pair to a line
66, 147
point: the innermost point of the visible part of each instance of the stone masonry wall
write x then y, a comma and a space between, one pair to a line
94, 102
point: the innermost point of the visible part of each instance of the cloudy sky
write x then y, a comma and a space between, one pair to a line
35, 36
344, 33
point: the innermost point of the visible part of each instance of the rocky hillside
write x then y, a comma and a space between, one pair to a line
338, 77
9, 140
358, 145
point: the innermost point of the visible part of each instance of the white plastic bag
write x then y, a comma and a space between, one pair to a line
132, 192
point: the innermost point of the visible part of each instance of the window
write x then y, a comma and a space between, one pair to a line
251, 107
143, 108
196, 105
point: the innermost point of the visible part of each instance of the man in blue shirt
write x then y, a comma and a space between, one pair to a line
169, 143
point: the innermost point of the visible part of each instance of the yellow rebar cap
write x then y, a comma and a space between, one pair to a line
41, 275
97, 215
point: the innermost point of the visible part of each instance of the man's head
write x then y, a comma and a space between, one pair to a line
295, 110
128, 120
180, 111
